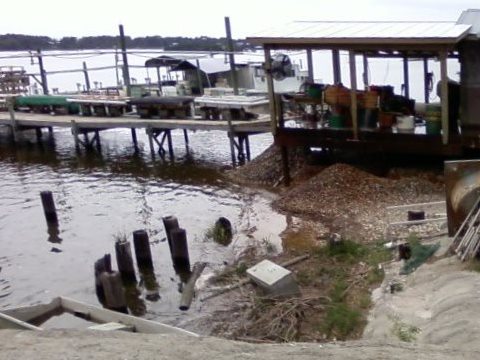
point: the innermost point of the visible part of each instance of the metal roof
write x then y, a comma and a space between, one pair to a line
471, 17
208, 65
363, 32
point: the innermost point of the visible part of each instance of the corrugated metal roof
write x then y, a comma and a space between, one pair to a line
208, 65
365, 32
471, 17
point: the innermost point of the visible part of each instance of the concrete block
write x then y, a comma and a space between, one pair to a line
273, 279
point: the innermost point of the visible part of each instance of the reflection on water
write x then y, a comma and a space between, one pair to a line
118, 191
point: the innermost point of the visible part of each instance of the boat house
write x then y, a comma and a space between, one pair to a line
371, 118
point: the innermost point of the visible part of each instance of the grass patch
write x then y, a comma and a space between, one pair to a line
405, 332
341, 320
219, 234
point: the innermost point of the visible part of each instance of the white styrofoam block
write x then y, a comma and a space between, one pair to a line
111, 326
273, 278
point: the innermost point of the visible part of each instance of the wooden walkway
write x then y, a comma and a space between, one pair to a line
158, 130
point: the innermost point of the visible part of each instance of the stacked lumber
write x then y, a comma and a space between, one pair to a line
466, 242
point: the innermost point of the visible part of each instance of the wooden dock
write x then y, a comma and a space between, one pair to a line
158, 130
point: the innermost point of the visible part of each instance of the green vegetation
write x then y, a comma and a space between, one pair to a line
420, 254
349, 293
341, 320
10, 42
269, 246
219, 234
405, 332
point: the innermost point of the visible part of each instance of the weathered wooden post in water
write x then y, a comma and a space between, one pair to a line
189, 288
49, 207
170, 223
102, 265
114, 292
180, 248
125, 260
143, 254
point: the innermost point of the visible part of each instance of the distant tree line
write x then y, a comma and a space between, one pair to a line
10, 42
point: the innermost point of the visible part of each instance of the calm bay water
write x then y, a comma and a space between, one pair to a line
118, 191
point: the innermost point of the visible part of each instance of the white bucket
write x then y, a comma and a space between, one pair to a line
405, 123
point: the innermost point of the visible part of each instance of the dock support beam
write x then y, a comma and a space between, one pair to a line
353, 93
406, 81
87, 142
444, 97
426, 81
240, 149
13, 123
310, 65
163, 134
337, 72
134, 138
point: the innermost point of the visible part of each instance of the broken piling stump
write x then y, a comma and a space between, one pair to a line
189, 288
114, 292
125, 260
102, 265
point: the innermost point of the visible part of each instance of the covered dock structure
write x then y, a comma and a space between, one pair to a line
459, 120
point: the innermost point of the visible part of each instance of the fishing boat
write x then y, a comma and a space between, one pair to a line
32, 317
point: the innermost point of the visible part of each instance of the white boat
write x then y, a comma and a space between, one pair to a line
31, 318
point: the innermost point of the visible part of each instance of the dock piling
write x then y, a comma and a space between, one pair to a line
114, 292
124, 260
49, 207
180, 255
134, 139
143, 253
13, 123
104, 264
170, 223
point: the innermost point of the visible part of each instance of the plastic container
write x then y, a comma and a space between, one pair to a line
433, 127
405, 123
336, 121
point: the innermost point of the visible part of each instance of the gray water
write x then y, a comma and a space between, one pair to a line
100, 195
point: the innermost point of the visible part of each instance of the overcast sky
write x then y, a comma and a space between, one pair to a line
58, 18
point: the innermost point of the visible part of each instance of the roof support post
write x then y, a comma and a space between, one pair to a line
426, 85
406, 82
271, 90
310, 65
353, 93
199, 77
231, 56
444, 95
366, 80
337, 73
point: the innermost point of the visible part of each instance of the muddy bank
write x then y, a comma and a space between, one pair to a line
77, 345
349, 199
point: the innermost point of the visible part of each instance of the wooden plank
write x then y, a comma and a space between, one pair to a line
44, 120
